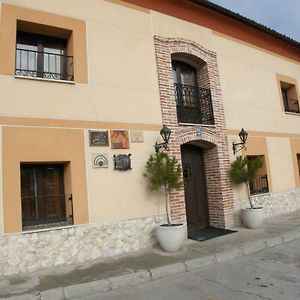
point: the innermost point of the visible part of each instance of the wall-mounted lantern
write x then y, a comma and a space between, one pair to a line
240, 146
165, 134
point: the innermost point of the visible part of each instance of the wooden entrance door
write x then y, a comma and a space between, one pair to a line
194, 187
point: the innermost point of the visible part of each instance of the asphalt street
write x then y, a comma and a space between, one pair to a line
270, 274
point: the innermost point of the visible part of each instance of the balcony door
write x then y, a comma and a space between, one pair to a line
42, 194
184, 77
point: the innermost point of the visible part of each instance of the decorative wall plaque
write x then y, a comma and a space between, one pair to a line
136, 136
119, 139
122, 162
100, 160
98, 138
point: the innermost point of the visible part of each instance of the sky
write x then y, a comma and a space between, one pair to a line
280, 15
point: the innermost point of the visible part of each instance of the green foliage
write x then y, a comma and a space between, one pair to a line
244, 170
163, 171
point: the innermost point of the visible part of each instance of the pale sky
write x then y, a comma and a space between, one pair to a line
280, 15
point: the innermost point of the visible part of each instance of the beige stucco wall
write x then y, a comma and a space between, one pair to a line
122, 194
251, 91
281, 164
123, 87
1, 190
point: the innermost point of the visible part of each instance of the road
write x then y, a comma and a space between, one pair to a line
270, 274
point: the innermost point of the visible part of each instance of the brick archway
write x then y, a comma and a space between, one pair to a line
219, 188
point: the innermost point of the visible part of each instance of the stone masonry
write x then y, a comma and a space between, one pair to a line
27, 252
274, 204
216, 157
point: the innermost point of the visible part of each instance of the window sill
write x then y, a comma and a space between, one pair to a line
47, 229
44, 79
192, 124
292, 113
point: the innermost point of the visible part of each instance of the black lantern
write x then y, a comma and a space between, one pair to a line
239, 146
165, 134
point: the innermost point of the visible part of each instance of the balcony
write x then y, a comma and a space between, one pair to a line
47, 65
47, 211
291, 105
194, 105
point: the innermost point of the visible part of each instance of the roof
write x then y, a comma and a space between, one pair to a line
245, 20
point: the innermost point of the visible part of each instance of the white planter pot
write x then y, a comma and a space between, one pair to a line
252, 217
171, 237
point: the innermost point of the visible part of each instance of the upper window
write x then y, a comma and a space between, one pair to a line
290, 98
43, 52
193, 101
43, 57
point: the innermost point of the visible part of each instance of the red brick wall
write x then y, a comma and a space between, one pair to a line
216, 157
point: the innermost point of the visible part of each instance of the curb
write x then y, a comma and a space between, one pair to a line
94, 288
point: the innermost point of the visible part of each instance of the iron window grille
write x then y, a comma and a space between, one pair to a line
259, 185
43, 57
194, 104
35, 219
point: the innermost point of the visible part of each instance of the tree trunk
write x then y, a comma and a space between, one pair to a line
168, 205
248, 193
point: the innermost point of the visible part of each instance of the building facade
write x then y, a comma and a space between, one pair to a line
85, 90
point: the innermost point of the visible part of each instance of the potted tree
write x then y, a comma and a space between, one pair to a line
163, 174
244, 171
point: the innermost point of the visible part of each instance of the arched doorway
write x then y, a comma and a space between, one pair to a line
195, 188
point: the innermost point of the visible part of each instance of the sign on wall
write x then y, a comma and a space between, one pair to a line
136, 136
100, 160
119, 139
98, 138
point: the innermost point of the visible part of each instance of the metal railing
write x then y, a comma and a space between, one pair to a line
259, 185
47, 211
194, 104
46, 65
291, 105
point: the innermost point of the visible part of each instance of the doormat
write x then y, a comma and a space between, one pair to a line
208, 233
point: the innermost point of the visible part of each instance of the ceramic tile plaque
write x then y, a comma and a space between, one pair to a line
98, 138
136, 136
119, 139
100, 160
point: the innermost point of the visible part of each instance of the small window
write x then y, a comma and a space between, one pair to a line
43, 56
260, 184
44, 202
290, 98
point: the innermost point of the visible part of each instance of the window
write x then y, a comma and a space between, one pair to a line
44, 203
260, 184
43, 57
193, 102
184, 77
289, 96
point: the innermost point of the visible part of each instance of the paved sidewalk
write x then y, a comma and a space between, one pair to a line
71, 282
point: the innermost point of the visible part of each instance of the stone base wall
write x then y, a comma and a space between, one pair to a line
27, 252
274, 204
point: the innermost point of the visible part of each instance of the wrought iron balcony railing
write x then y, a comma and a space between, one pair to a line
46, 65
194, 104
47, 211
291, 105
259, 185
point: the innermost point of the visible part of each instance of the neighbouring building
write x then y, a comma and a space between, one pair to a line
85, 87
